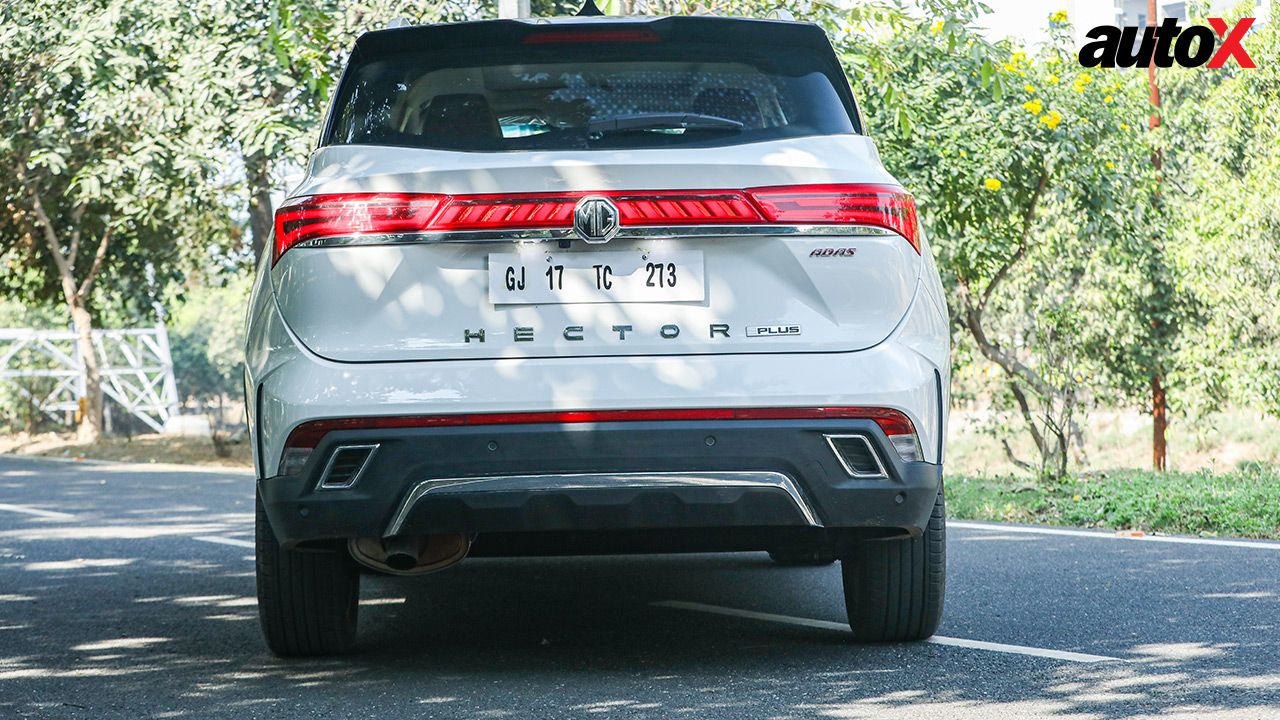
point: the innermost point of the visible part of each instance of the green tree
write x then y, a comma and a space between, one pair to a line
107, 150
1030, 174
1222, 160
270, 69
206, 334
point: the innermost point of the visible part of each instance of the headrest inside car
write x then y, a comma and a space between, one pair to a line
459, 119
731, 104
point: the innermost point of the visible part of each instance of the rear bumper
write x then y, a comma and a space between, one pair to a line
663, 475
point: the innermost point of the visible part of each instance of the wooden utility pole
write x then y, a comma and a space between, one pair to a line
1159, 403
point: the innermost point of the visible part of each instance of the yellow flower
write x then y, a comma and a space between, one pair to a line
1058, 17
964, 153
936, 28
1034, 106
1108, 99
992, 184
1124, 126
1051, 118
1029, 88
1084, 79
1076, 498
1052, 79
1111, 165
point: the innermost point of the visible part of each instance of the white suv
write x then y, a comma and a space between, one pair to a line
596, 285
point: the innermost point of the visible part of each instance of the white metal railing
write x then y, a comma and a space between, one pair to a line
135, 366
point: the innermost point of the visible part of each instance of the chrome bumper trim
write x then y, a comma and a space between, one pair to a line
579, 481
870, 449
355, 477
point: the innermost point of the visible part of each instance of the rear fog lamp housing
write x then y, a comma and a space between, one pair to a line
908, 447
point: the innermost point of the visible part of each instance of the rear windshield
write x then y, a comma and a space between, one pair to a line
587, 96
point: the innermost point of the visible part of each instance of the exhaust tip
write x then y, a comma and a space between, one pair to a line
401, 561
410, 554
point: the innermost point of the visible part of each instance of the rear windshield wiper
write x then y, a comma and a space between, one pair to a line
662, 121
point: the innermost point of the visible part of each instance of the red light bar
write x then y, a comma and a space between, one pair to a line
685, 208
550, 37
555, 210
885, 206
318, 216
309, 434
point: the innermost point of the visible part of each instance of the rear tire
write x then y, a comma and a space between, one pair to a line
893, 589
803, 557
308, 598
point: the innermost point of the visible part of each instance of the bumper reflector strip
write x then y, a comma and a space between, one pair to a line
308, 434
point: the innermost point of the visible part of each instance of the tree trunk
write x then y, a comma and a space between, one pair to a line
1159, 405
1159, 424
76, 296
257, 169
90, 427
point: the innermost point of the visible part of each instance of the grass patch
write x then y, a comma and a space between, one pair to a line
138, 449
1244, 502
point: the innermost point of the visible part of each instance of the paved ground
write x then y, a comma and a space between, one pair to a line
128, 592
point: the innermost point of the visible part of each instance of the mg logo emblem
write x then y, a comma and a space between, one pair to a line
595, 219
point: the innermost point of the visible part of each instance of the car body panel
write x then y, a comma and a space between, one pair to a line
428, 300
296, 385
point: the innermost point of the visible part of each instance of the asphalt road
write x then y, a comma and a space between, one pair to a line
127, 592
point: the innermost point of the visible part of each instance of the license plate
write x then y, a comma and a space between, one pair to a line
596, 277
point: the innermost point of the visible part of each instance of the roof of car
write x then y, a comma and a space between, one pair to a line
700, 28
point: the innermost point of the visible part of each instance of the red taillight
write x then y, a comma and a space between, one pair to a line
351, 214
547, 37
348, 214
882, 206
317, 216
309, 434
535, 211
695, 208
497, 212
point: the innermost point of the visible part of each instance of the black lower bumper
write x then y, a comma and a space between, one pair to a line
485, 480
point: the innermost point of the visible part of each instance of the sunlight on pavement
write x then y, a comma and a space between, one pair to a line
121, 644
78, 563
1181, 651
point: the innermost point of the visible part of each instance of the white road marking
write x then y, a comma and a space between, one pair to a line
234, 542
51, 514
1105, 535
1021, 650
842, 627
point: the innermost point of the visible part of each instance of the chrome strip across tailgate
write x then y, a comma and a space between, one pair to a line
626, 233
